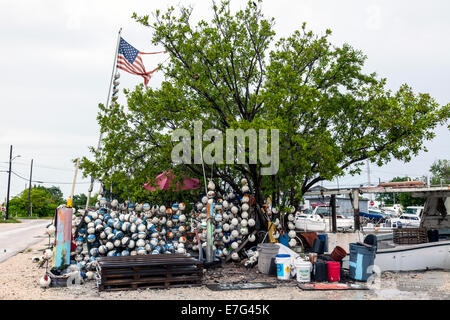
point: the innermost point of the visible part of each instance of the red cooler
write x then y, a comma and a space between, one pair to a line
334, 271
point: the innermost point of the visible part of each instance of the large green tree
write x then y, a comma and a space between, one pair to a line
231, 71
44, 201
79, 200
440, 170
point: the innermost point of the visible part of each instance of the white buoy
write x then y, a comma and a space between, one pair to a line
292, 242
45, 281
48, 253
90, 275
225, 204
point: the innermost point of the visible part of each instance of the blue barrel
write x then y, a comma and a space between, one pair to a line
361, 257
323, 238
320, 271
284, 240
318, 246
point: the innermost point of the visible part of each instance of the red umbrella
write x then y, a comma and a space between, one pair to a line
164, 182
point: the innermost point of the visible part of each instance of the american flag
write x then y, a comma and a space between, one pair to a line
129, 59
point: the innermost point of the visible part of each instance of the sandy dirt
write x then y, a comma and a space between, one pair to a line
19, 279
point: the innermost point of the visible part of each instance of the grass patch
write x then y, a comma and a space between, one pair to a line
10, 220
36, 217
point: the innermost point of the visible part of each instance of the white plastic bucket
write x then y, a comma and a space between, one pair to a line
303, 270
284, 266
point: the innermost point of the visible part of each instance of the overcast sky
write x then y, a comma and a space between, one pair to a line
58, 54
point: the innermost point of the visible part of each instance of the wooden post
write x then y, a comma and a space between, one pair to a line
333, 213
355, 196
29, 191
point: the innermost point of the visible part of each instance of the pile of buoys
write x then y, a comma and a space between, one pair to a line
233, 220
125, 229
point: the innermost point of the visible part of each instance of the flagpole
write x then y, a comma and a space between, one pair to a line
91, 186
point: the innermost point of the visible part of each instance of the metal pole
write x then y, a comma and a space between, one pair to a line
355, 196
91, 186
333, 213
368, 178
29, 189
9, 183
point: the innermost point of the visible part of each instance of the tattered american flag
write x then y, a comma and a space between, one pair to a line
129, 59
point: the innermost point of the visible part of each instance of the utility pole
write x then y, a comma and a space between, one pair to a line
368, 178
9, 183
29, 189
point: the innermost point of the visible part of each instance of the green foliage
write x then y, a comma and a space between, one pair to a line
10, 220
441, 172
230, 72
404, 198
79, 201
44, 201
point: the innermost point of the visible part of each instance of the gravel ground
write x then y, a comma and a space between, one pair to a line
19, 279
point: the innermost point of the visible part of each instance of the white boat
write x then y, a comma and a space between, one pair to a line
413, 257
376, 228
423, 256
310, 223
319, 220
374, 210
393, 211
344, 223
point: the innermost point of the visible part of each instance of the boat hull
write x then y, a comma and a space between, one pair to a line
322, 226
415, 257
310, 226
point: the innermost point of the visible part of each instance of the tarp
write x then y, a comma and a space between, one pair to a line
164, 181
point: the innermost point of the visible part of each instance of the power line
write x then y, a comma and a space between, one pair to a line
44, 182
39, 166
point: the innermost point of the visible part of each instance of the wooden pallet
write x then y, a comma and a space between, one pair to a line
148, 271
410, 236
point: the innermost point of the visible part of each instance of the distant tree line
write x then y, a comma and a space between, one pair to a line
44, 201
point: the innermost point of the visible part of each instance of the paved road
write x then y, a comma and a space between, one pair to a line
15, 237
